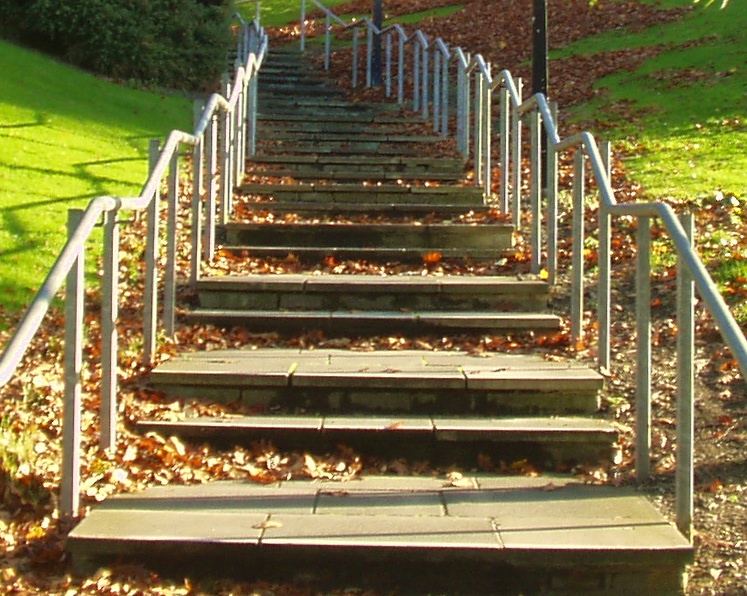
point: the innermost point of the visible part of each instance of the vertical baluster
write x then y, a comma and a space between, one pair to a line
577, 266
109, 338
536, 191
169, 298
150, 292
685, 390
643, 350
73, 365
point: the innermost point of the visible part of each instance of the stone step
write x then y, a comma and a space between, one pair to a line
331, 194
343, 174
430, 237
327, 127
369, 164
304, 89
393, 210
282, 105
443, 440
313, 255
358, 138
339, 115
363, 292
406, 381
311, 147
546, 534
340, 323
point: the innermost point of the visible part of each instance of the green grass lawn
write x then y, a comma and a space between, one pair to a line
65, 137
689, 104
275, 13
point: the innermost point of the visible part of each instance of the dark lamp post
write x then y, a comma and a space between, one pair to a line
539, 48
378, 19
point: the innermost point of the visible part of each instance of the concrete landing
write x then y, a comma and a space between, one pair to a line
548, 523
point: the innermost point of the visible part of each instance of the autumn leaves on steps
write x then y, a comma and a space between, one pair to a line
378, 235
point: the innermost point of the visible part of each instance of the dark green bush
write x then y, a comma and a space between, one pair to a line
170, 43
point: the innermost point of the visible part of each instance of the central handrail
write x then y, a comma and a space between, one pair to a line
474, 89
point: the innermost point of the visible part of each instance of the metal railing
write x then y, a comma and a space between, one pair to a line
222, 138
475, 88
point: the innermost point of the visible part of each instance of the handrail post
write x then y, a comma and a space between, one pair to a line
685, 402
603, 292
198, 181
169, 298
401, 72
479, 97
460, 107
253, 97
552, 206
416, 76
150, 292
505, 128
73, 364
516, 158
437, 91
355, 57
445, 96
369, 54
225, 174
487, 113
388, 71
577, 264
466, 115
535, 230
328, 41
109, 337
212, 192
643, 351
303, 26
424, 84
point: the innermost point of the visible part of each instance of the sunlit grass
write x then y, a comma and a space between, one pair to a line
689, 103
65, 138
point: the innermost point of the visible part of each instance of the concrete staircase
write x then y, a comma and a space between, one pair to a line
341, 181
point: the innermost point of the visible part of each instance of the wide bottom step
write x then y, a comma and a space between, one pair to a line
548, 527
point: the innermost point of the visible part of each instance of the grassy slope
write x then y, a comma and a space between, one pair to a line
689, 103
65, 137
275, 13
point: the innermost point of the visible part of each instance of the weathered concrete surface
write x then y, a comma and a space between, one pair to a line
547, 524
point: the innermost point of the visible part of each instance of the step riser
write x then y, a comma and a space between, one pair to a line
339, 174
269, 300
380, 209
313, 256
460, 571
352, 324
352, 163
346, 137
312, 148
330, 195
545, 452
302, 129
498, 238
429, 401
294, 105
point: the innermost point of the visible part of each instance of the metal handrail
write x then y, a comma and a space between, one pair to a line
237, 111
475, 85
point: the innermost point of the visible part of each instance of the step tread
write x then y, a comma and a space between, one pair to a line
499, 518
372, 283
445, 319
383, 369
441, 427
285, 206
351, 252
